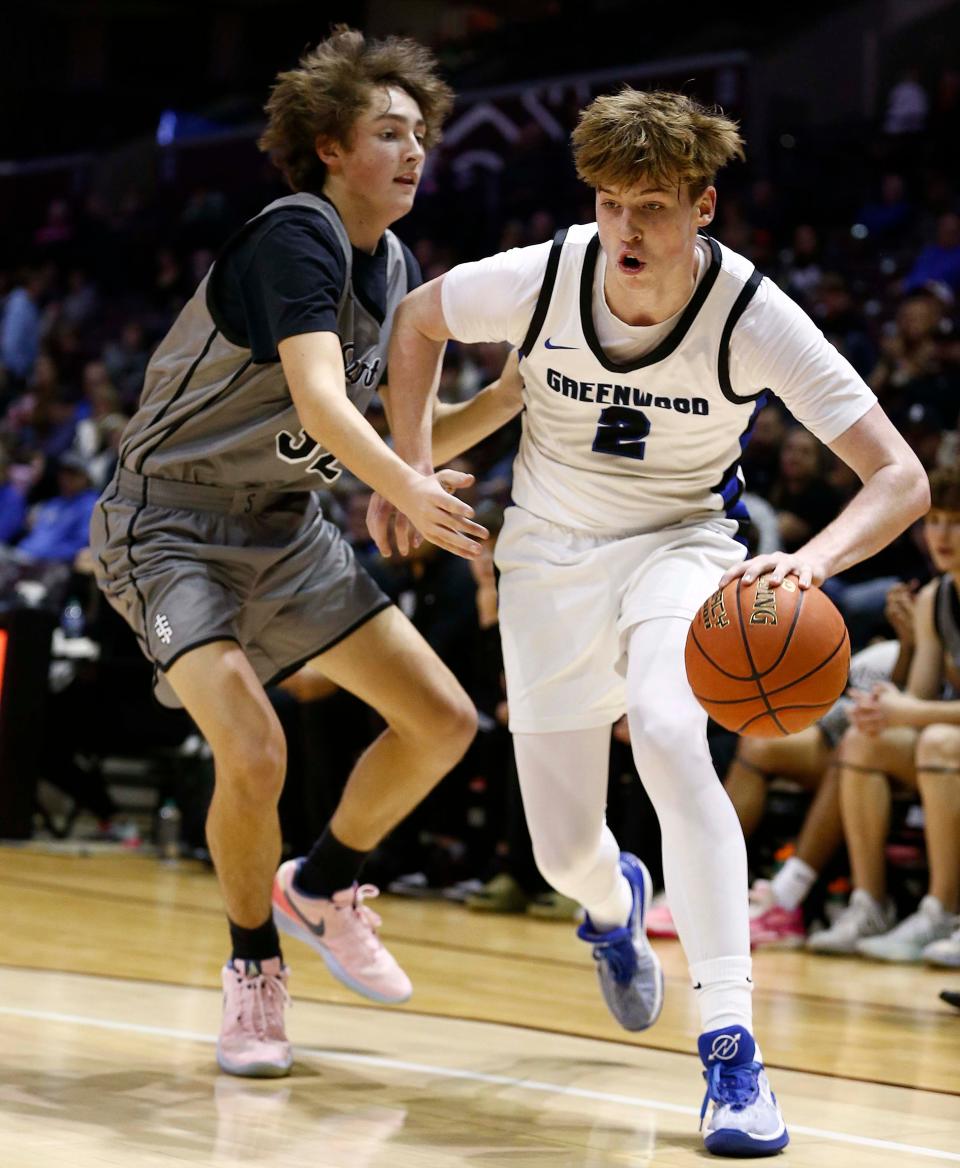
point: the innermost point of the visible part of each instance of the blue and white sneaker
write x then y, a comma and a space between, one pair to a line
630, 975
745, 1120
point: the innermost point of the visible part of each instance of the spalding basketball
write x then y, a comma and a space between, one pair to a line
765, 661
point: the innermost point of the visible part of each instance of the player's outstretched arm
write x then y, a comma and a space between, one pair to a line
313, 367
893, 495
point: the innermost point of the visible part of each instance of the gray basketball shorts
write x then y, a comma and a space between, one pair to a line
279, 579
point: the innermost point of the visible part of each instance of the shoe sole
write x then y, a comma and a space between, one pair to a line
890, 958
943, 962
730, 1142
825, 952
253, 1070
292, 928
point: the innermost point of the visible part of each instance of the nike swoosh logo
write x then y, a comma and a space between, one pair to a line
317, 930
698, 986
547, 345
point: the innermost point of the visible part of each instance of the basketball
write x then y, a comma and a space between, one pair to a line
767, 662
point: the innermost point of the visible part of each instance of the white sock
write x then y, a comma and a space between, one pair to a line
792, 883
614, 912
724, 986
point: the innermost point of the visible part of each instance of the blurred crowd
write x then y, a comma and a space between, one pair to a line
877, 266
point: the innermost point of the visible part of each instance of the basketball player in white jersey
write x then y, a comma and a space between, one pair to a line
646, 347
211, 543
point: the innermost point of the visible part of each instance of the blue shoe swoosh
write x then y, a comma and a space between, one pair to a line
547, 345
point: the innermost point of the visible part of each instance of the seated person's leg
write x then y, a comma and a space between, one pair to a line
934, 922
866, 763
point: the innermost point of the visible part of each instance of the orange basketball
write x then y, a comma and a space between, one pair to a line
765, 661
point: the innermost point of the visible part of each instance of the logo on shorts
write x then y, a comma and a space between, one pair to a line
725, 1047
163, 628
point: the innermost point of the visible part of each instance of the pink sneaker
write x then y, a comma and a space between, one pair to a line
343, 931
771, 925
659, 919
252, 1039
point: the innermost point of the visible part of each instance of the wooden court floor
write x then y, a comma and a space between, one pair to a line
505, 1056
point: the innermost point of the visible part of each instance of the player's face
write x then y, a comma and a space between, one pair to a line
382, 163
942, 531
648, 233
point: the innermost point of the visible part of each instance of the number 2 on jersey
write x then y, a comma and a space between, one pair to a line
622, 431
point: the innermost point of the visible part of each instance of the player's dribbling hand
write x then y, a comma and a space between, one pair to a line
777, 566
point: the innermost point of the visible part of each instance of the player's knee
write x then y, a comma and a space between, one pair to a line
448, 722
656, 732
460, 721
938, 746
254, 767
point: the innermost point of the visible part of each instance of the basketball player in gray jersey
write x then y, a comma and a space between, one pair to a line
914, 737
210, 541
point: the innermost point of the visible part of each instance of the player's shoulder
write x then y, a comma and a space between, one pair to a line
295, 223
578, 235
733, 265
410, 261
770, 313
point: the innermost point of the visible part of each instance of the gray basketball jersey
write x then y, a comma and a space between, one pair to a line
209, 415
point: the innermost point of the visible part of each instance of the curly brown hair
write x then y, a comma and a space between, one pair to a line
332, 86
666, 137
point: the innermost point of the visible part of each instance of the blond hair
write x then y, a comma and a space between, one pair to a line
332, 86
663, 137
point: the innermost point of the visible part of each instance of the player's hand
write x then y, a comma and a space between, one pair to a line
390, 530
899, 611
777, 566
439, 516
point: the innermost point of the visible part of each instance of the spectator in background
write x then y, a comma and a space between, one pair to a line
888, 216
842, 322
939, 262
802, 265
13, 502
910, 361
126, 361
20, 326
805, 502
761, 459
907, 106
912, 738
42, 420
82, 300
60, 527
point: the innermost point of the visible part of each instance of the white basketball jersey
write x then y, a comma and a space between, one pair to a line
635, 446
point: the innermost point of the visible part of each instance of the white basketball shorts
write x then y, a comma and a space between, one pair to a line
569, 599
